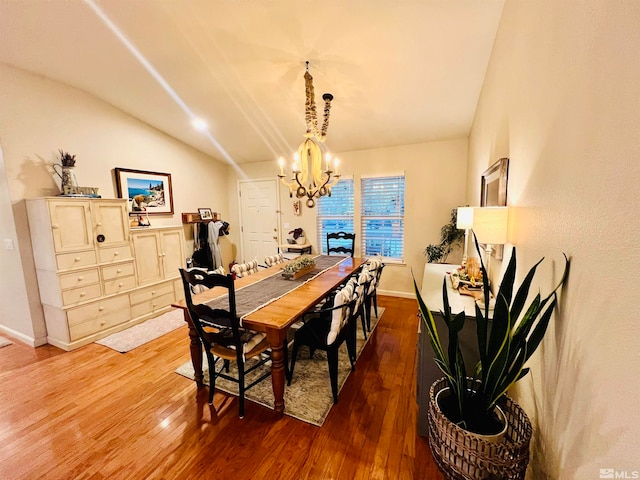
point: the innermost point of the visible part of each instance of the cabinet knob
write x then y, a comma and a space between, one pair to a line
99, 224
55, 226
119, 270
102, 323
153, 292
121, 284
115, 254
100, 309
154, 305
82, 294
80, 279
77, 259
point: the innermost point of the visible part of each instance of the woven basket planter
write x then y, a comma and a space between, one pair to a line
461, 455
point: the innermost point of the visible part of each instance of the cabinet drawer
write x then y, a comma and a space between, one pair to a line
113, 272
114, 254
152, 305
95, 325
97, 310
149, 293
65, 261
78, 279
81, 294
119, 285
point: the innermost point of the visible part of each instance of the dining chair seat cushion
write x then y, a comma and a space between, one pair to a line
243, 269
273, 259
253, 343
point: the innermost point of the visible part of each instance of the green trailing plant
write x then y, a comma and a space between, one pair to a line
505, 343
450, 236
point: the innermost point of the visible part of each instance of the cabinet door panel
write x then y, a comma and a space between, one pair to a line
148, 252
71, 225
172, 253
111, 220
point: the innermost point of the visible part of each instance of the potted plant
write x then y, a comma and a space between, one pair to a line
297, 236
505, 342
298, 267
450, 236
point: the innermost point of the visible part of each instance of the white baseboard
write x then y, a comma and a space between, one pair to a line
32, 342
392, 293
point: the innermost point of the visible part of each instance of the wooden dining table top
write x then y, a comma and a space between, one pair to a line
284, 311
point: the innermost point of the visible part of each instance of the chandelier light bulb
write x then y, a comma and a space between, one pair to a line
281, 163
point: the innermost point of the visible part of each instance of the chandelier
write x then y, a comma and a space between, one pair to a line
308, 179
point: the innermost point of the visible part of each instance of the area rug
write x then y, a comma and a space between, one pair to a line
144, 332
4, 342
309, 396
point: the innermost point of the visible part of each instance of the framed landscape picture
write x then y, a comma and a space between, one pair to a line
147, 192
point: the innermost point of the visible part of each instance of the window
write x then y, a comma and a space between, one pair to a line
382, 216
335, 213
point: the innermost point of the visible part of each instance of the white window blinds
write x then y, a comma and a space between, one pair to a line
335, 213
382, 216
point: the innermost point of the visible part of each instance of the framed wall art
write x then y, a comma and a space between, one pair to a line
205, 214
147, 192
493, 192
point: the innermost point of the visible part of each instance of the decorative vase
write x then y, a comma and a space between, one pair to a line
67, 176
463, 454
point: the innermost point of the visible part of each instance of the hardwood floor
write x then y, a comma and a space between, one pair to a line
94, 413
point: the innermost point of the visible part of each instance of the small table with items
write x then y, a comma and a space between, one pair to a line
296, 248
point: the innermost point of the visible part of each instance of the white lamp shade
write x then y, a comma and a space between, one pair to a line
464, 218
490, 224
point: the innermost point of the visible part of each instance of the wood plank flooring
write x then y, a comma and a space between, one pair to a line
94, 413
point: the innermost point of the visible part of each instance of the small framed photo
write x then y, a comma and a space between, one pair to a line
205, 214
296, 207
148, 193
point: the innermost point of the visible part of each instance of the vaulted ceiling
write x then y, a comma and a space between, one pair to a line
401, 71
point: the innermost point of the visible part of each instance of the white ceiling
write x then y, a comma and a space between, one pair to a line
401, 71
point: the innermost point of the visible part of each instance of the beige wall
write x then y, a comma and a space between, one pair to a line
38, 117
435, 183
561, 100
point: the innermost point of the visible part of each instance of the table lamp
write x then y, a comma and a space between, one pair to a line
490, 227
464, 221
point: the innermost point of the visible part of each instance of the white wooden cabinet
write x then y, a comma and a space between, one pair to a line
87, 267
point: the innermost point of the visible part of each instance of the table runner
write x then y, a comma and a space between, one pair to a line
255, 296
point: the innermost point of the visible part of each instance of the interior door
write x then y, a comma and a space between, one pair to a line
259, 219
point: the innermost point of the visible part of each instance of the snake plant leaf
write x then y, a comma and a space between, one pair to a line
523, 291
541, 327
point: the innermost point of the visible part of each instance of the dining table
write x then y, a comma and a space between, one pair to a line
274, 316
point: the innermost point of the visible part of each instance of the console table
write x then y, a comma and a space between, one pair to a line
428, 372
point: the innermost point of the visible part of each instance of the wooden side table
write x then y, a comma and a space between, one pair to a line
294, 247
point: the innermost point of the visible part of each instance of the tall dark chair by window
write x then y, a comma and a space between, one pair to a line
327, 329
223, 339
341, 242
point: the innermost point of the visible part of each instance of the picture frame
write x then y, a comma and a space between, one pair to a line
493, 192
205, 214
297, 207
147, 192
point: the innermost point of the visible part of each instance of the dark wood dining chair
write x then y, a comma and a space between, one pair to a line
223, 339
374, 266
341, 242
327, 329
